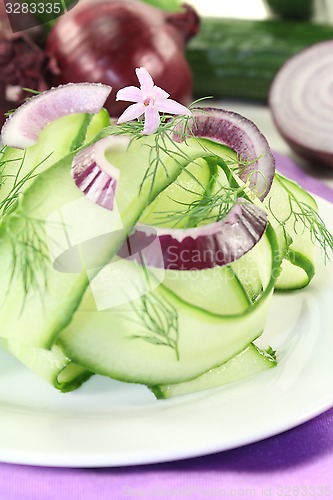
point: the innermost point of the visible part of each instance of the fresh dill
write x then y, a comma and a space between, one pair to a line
211, 205
30, 256
8, 202
171, 132
159, 321
305, 216
32, 91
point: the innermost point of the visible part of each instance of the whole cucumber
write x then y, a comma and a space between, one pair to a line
301, 10
236, 58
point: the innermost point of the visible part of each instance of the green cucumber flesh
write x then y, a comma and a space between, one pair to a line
245, 364
211, 332
217, 290
296, 272
24, 316
298, 267
51, 365
52, 146
225, 290
124, 349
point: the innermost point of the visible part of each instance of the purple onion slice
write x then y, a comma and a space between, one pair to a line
301, 102
241, 135
216, 244
22, 128
94, 175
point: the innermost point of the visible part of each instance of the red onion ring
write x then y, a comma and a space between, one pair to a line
22, 128
301, 102
94, 175
241, 135
216, 244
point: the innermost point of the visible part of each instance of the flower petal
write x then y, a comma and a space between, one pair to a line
171, 106
132, 94
159, 93
132, 112
152, 120
146, 81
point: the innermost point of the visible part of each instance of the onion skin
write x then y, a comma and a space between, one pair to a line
105, 40
301, 103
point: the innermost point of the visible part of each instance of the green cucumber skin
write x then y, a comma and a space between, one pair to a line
247, 363
301, 10
234, 58
298, 276
298, 267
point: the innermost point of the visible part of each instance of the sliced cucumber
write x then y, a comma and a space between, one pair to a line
98, 123
127, 349
217, 290
24, 316
15, 164
247, 363
228, 289
295, 242
189, 186
51, 365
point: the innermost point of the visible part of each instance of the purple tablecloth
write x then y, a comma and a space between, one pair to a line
297, 463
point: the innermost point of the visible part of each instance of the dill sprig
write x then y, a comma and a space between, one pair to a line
158, 319
18, 182
30, 256
164, 145
213, 204
308, 218
32, 91
207, 207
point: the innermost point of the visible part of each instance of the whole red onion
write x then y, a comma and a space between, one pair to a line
105, 40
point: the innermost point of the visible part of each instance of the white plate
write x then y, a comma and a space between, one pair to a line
107, 423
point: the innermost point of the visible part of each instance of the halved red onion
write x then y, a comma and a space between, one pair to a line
94, 175
22, 128
203, 247
241, 135
301, 102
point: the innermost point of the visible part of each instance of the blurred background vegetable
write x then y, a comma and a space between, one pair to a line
238, 58
301, 102
301, 10
21, 66
105, 40
170, 5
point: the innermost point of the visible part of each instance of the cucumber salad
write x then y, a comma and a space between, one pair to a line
145, 249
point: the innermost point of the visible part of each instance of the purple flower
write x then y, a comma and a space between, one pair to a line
149, 100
